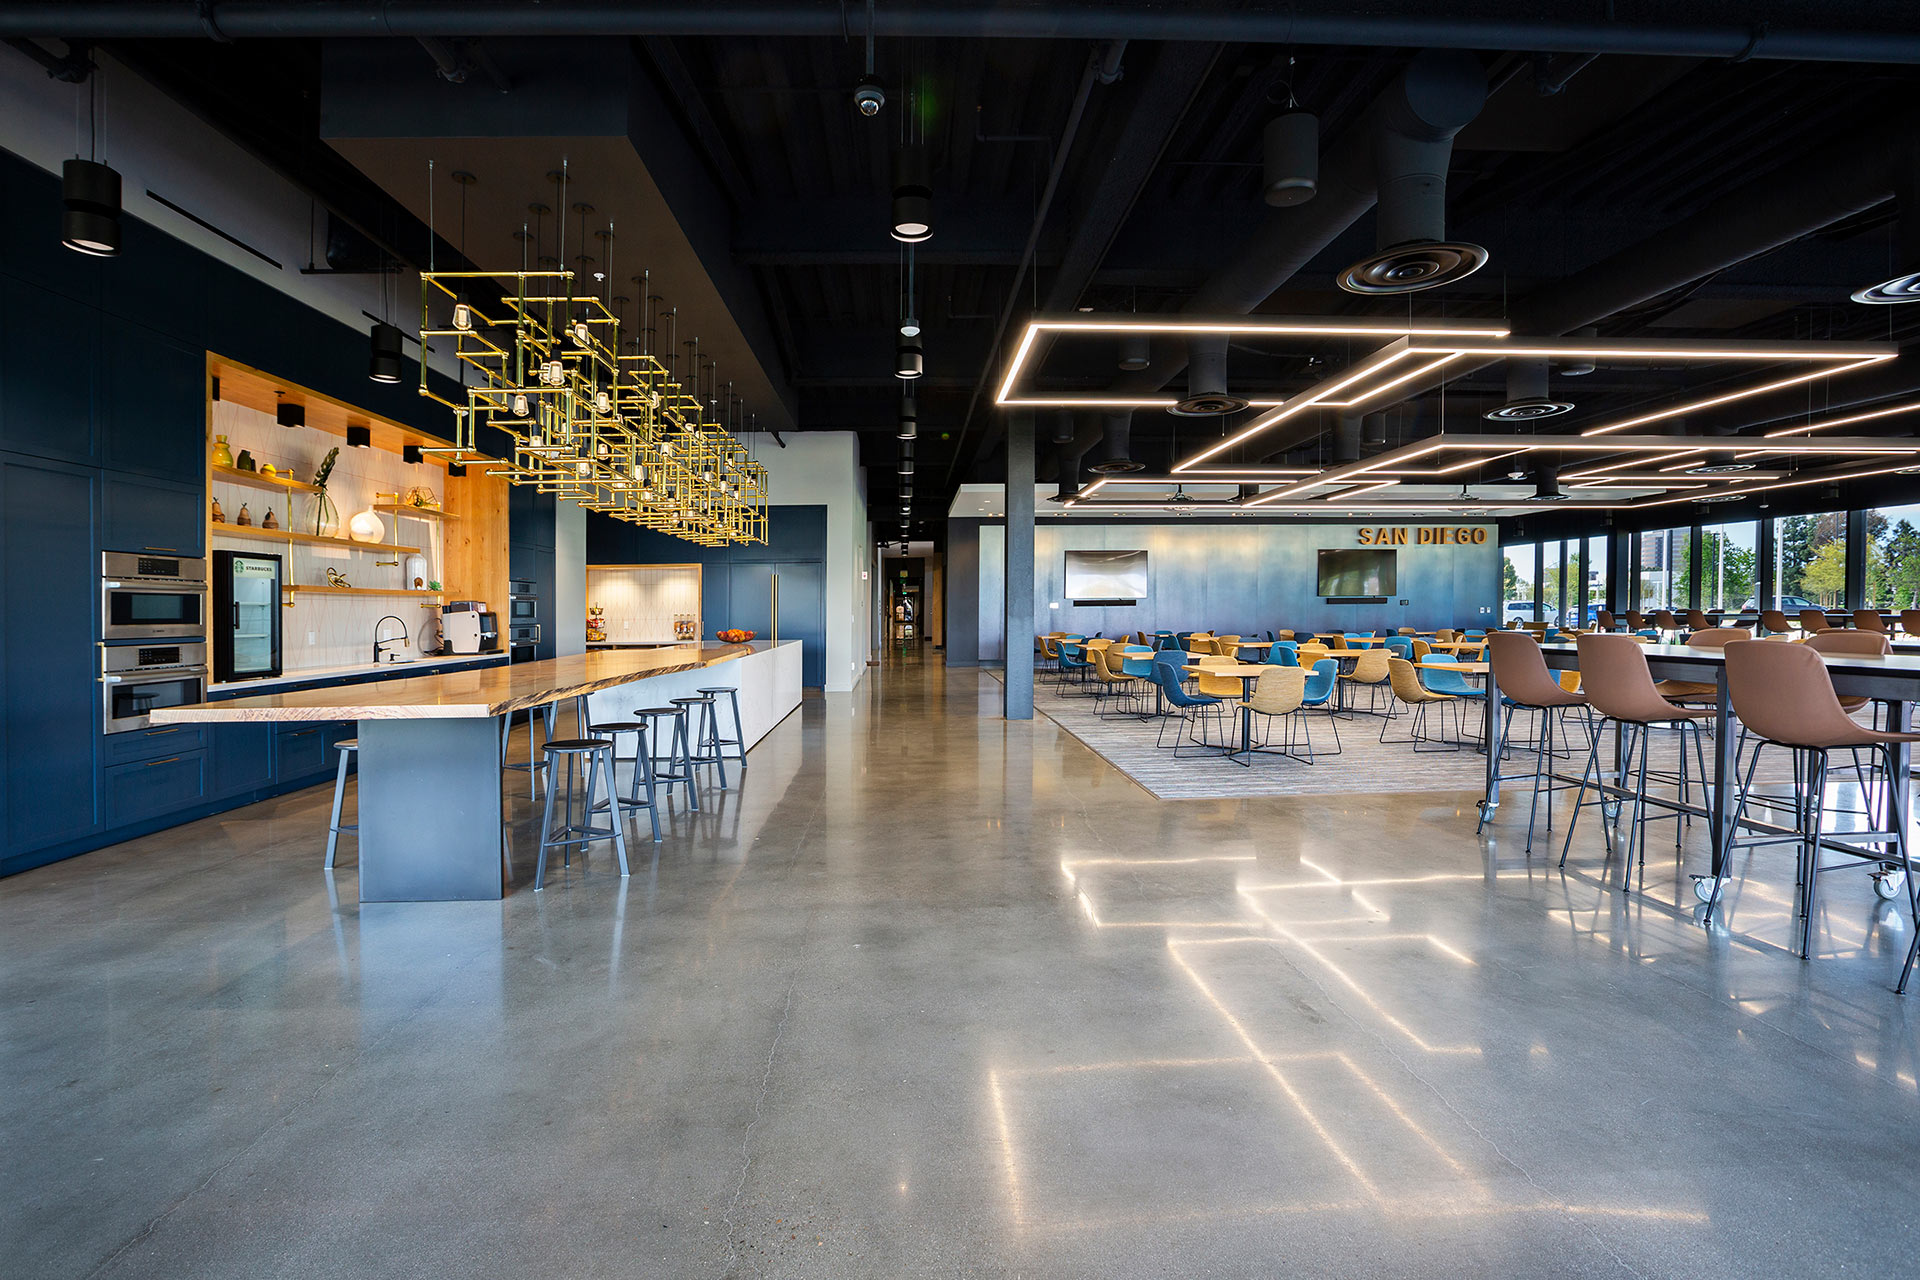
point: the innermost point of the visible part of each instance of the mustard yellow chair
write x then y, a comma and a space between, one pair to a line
1277, 692
1405, 687
1371, 671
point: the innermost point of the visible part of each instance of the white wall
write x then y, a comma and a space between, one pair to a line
569, 579
158, 145
822, 468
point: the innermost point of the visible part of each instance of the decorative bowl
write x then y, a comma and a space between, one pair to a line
734, 635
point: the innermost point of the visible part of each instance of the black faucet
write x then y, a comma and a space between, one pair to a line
379, 645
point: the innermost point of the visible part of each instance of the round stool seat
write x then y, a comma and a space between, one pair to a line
577, 745
657, 711
691, 701
621, 726
348, 744
712, 692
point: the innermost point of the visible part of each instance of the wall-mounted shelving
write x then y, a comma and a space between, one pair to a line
258, 534
420, 513
254, 479
299, 588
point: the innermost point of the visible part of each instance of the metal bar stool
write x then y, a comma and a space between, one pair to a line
642, 769
595, 754
534, 765
347, 747
679, 757
703, 725
719, 743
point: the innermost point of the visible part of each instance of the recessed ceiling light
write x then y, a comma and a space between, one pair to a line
1717, 468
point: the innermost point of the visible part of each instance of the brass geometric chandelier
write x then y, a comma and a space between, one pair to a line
613, 432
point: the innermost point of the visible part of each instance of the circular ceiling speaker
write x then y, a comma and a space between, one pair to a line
1408, 268
1718, 468
1889, 292
1208, 404
1721, 497
1115, 466
1528, 409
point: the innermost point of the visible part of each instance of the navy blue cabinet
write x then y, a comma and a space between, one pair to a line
49, 580
152, 788
299, 752
153, 403
49, 361
145, 744
242, 759
141, 514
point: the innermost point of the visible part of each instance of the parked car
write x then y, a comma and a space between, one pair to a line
1522, 611
1789, 605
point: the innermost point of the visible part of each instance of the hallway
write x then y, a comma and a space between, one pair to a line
935, 994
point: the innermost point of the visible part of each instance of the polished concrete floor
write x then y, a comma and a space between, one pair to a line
933, 994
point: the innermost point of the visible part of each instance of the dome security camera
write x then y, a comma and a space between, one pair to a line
869, 96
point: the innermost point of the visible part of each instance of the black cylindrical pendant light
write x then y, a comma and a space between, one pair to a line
383, 361
90, 222
909, 359
912, 196
909, 419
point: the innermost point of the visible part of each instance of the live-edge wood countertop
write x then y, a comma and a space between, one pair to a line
461, 695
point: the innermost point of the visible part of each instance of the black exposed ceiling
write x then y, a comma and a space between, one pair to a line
1162, 183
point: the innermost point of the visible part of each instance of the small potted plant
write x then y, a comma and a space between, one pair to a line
326, 517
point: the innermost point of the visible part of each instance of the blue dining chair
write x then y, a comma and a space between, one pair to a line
1285, 653
1401, 647
1074, 663
1187, 707
1319, 696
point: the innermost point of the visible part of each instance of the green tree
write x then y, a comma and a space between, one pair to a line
1510, 584
1825, 576
1900, 566
1795, 539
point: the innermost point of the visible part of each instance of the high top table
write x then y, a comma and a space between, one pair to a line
1893, 679
430, 795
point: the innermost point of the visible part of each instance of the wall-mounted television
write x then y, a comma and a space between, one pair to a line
1106, 577
1358, 573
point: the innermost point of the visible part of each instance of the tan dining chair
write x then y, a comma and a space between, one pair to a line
1857, 642
1404, 687
1421, 649
1869, 620
1776, 622
1910, 621
1310, 653
1635, 620
1276, 692
1813, 622
1371, 672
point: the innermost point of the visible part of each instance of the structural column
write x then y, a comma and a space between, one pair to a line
1019, 577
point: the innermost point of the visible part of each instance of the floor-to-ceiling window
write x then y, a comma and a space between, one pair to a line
1810, 561
1587, 576
1729, 566
1553, 581
1516, 583
1893, 558
1665, 578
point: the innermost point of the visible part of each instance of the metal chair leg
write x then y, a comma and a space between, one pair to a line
333, 823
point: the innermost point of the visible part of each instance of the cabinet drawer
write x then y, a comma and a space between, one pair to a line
145, 744
151, 788
242, 758
300, 751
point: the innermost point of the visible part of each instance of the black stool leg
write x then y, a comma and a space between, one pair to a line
546, 835
683, 759
643, 772
710, 719
604, 759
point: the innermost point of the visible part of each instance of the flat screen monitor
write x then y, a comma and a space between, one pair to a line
1106, 575
1349, 573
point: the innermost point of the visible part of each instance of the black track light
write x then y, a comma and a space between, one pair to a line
912, 196
359, 437
90, 223
909, 359
411, 453
383, 361
909, 419
457, 471
290, 415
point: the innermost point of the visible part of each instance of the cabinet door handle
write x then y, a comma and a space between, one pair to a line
168, 550
154, 733
169, 760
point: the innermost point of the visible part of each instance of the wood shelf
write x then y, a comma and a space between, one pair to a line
321, 588
420, 513
255, 532
258, 481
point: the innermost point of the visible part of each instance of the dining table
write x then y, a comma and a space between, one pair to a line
1890, 679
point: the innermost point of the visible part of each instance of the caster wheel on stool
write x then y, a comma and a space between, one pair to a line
1887, 884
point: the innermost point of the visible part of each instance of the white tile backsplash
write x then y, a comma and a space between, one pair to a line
340, 627
641, 603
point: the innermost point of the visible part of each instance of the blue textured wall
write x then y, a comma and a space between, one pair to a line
1241, 578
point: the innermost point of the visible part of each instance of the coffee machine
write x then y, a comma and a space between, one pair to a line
467, 627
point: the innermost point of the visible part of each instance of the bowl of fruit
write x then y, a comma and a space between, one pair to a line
734, 635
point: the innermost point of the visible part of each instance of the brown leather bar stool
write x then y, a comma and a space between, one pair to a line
1662, 620
1605, 620
1775, 622
1697, 620
1813, 622
1784, 696
1869, 620
1697, 691
1910, 621
1635, 620
1614, 675
1520, 671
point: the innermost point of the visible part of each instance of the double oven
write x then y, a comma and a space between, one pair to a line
523, 620
153, 633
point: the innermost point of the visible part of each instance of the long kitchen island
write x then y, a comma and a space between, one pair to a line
431, 816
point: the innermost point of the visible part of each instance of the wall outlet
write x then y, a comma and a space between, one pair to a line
313, 637
1403, 604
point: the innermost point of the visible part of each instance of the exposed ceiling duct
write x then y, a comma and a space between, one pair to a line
1436, 94
1066, 471
1207, 395
1412, 149
1116, 438
1527, 398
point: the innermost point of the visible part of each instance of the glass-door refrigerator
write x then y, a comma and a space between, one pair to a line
246, 616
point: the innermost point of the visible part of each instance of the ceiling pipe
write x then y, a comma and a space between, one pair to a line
1116, 440
1849, 30
1434, 97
